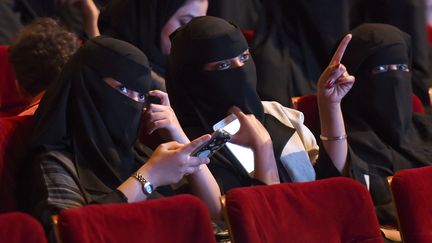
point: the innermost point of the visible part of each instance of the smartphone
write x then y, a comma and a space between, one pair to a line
229, 124
216, 142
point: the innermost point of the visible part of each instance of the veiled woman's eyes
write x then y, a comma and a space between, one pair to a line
123, 89
244, 57
403, 67
390, 67
223, 65
380, 69
141, 98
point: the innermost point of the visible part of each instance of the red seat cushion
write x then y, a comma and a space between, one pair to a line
20, 228
181, 219
11, 102
417, 104
13, 131
413, 196
308, 105
329, 210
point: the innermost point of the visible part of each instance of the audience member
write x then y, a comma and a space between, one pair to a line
38, 53
83, 146
384, 135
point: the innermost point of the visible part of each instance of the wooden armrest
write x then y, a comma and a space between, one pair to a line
226, 218
55, 220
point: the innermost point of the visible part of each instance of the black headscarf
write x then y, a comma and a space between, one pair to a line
244, 13
140, 23
201, 98
382, 129
86, 117
408, 16
293, 43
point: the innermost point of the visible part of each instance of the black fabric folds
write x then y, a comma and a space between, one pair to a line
140, 23
293, 44
382, 129
294, 41
82, 114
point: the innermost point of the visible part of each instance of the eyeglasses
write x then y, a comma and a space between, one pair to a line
390, 67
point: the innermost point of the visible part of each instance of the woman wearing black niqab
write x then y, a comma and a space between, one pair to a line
383, 132
83, 147
210, 70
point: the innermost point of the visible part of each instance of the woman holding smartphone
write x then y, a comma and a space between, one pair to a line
83, 147
211, 74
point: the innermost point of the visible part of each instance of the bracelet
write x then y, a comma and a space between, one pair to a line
324, 138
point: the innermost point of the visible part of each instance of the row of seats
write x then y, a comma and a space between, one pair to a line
333, 210
330, 210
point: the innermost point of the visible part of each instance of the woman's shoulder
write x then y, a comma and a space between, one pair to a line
282, 113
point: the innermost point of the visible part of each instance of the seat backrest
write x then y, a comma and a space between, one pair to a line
412, 195
330, 210
417, 104
182, 219
13, 132
308, 105
16, 227
11, 102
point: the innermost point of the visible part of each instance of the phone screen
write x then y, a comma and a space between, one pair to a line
229, 124
217, 141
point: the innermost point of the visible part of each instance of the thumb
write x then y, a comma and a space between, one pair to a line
188, 148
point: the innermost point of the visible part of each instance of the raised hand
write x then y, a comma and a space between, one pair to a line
335, 82
161, 118
171, 161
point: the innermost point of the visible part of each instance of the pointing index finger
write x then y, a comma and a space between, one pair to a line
337, 57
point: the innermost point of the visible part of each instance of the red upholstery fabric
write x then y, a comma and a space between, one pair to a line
20, 228
308, 105
11, 102
429, 33
330, 210
417, 104
413, 196
249, 35
13, 131
182, 218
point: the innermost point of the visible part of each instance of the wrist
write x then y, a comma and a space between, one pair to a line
147, 172
262, 147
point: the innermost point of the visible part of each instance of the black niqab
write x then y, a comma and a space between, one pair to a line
140, 23
83, 115
210, 93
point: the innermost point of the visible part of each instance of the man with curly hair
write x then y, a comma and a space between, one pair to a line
38, 54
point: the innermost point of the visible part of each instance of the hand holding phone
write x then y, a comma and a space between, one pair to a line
216, 142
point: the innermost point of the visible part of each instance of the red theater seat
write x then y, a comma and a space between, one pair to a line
180, 219
20, 228
412, 195
13, 131
11, 102
330, 210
